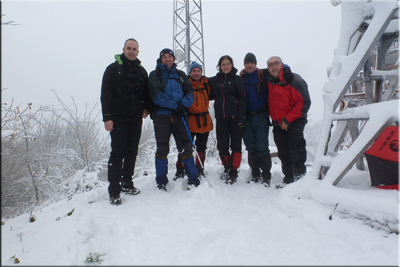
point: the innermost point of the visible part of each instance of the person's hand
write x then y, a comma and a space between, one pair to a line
241, 72
180, 111
284, 126
109, 125
145, 113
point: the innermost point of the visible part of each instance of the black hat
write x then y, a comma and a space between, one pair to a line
250, 57
167, 51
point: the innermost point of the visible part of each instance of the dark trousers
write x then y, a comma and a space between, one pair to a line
164, 126
200, 141
125, 139
292, 150
256, 133
229, 135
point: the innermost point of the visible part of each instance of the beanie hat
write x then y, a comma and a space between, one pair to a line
167, 51
250, 57
195, 65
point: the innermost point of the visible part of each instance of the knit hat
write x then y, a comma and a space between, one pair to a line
195, 65
167, 51
250, 57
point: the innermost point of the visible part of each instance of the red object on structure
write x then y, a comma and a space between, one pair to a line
383, 159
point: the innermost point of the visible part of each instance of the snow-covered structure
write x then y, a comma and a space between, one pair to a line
361, 96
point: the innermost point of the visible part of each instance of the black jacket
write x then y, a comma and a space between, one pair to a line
124, 90
229, 95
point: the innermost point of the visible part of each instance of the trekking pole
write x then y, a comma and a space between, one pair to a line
201, 164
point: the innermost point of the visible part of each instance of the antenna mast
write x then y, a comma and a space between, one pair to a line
188, 41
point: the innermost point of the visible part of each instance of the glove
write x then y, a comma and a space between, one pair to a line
180, 111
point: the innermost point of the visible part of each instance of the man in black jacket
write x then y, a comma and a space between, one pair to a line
125, 101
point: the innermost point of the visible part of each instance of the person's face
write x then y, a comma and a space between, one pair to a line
274, 66
226, 66
167, 59
195, 74
250, 67
131, 50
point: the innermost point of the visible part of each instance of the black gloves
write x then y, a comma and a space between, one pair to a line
180, 111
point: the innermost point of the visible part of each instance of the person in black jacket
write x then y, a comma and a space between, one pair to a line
125, 101
230, 109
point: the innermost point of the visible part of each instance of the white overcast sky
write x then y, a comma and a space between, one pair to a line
66, 46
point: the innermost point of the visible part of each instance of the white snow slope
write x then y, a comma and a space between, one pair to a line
214, 224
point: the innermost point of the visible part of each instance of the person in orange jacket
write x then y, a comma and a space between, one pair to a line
200, 122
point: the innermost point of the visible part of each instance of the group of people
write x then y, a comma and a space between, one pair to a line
178, 105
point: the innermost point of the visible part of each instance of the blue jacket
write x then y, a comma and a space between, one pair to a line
256, 93
169, 88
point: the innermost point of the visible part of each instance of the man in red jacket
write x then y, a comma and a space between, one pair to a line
289, 101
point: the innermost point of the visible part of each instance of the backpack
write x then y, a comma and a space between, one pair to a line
262, 80
180, 74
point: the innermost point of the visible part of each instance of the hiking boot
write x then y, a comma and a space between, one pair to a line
232, 177
266, 183
200, 171
281, 185
115, 200
162, 187
130, 190
225, 174
179, 175
255, 176
266, 178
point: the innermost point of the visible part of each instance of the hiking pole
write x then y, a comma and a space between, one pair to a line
201, 164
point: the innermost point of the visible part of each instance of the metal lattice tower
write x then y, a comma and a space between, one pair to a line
188, 43
370, 57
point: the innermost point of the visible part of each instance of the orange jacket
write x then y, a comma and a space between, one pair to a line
199, 118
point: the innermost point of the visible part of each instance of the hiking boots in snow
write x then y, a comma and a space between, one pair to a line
162, 187
232, 176
115, 200
225, 174
128, 188
179, 174
266, 178
255, 176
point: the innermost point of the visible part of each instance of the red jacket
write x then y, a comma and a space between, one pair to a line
288, 99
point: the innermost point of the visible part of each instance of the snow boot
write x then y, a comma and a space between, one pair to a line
232, 176
115, 200
161, 170
255, 176
129, 188
226, 162
191, 170
162, 187
266, 178
285, 182
180, 170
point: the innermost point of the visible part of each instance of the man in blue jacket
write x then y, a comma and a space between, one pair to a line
257, 121
172, 94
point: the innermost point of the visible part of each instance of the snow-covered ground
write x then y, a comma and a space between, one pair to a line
214, 224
